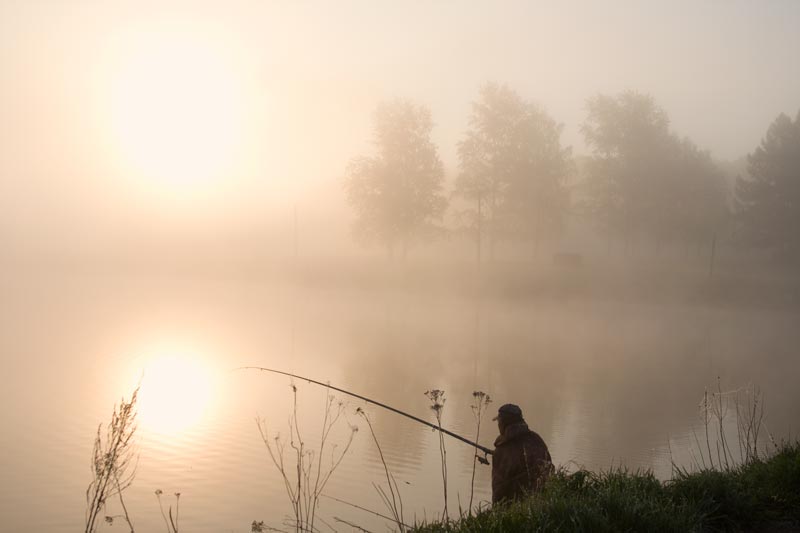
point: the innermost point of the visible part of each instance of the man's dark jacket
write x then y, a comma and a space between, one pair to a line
521, 463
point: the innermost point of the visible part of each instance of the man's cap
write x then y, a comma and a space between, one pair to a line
509, 410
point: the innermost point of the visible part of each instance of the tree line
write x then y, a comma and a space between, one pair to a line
516, 182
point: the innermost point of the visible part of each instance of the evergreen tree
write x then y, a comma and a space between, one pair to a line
768, 202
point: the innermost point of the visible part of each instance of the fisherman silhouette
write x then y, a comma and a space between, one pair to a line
521, 462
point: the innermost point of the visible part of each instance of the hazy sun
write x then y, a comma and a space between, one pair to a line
175, 108
175, 393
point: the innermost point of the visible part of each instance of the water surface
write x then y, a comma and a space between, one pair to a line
606, 381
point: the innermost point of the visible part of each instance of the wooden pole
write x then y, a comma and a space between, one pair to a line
713, 255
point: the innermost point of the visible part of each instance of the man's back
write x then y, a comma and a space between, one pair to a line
521, 463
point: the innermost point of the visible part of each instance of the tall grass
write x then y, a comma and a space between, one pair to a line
113, 464
716, 451
393, 500
301, 468
583, 501
760, 495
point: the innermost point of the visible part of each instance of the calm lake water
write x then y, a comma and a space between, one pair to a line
606, 381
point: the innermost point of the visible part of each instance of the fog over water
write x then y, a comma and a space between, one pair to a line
550, 204
299, 84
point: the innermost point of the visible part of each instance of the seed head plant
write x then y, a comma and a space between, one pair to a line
113, 464
480, 401
437, 399
172, 522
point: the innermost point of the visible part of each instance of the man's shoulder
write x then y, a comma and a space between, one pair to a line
532, 435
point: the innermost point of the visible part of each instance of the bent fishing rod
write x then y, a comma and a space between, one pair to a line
484, 449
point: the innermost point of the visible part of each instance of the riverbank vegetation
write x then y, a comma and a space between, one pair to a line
741, 479
762, 495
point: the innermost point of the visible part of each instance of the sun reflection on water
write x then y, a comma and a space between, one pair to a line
175, 393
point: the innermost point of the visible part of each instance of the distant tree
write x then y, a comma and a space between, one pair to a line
481, 190
699, 205
512, 169
645, 180
768, 202
397, 194
627, 134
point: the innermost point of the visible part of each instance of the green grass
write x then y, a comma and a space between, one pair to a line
763, 493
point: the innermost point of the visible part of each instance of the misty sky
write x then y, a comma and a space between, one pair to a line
273, 98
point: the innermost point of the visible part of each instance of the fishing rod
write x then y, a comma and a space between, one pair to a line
484, 449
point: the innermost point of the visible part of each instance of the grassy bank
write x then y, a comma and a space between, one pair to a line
763, 495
